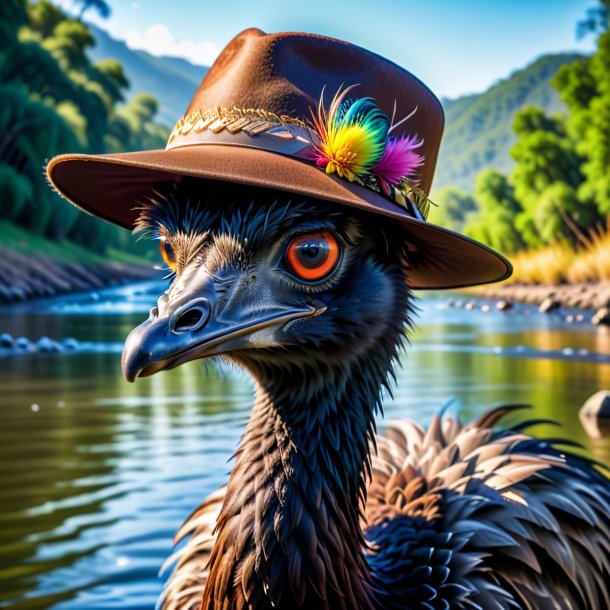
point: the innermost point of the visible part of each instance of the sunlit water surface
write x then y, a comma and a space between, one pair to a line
97, 474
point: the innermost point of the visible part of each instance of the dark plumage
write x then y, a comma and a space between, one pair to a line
319, 512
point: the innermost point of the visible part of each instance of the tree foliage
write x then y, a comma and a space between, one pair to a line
561, 177
53, 99
494, 224
453, 206
101, 7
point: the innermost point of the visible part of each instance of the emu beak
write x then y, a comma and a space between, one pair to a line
175, 334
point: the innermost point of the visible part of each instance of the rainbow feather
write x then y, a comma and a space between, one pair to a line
351, 136
399, 159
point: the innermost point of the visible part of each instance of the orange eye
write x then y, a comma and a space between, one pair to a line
167, 252
313, 256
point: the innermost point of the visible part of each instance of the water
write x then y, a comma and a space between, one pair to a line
96, 474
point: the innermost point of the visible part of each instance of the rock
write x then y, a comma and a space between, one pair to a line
23, 343
6, 340
469, 306
579, 317
485, 308
504, 305
595, 415
44, 344
549, 304
570, 319
70, 343
597, 405
601, 317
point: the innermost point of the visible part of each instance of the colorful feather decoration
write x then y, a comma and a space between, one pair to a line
399, 160
351, 136
352, 139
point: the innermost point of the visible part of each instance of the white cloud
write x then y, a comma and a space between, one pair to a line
158, 40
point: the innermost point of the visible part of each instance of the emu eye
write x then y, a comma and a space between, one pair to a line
313, 256
167, 252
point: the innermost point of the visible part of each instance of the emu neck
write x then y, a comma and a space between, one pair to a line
289, 534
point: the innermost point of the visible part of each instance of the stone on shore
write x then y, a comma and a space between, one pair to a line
602, 317
24, 344
46, 345
597, 405
549, 304
70, 343
595, 415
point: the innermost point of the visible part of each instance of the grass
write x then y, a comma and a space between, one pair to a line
562, 262
21, 240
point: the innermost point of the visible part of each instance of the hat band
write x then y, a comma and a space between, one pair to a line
257, 128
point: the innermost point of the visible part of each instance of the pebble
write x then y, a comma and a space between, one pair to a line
23, 343
549, 304
35, 408
602, 317
595, 415
70, 343
469, 306
485, 308
504, 305
46, 345
570, 319
597, 405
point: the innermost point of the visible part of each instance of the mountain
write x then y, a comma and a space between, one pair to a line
478, 128
171, 80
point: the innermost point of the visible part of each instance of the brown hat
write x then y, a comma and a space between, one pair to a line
258, 118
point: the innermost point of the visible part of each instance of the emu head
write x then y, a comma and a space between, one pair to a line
270, 281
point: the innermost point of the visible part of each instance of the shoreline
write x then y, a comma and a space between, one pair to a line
29, 276
574, 296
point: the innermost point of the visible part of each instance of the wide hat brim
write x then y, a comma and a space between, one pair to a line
113, 186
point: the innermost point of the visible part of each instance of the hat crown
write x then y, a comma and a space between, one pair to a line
285, 74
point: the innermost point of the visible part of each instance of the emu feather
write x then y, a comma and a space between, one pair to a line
319, 510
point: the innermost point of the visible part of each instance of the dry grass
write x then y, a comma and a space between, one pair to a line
563, 263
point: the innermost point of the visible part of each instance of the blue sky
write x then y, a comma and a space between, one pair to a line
455, 46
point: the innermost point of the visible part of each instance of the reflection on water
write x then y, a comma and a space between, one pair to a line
96, 474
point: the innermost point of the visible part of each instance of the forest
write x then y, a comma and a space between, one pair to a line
558, 192
54, 99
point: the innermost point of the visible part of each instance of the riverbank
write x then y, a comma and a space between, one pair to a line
24, 276
32, 267
591, 296
580, 296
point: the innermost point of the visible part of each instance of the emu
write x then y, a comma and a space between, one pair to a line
320, 512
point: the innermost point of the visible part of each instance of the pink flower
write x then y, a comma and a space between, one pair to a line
399, 159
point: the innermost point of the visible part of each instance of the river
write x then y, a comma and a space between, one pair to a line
97, 474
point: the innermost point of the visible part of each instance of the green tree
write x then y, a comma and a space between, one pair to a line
101, 7
546, 178
498, 209
585, 88
453, 207
54, 100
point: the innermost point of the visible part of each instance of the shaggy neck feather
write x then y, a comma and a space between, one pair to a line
289, 534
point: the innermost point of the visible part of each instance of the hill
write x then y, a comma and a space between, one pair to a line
478, 128
171, 80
